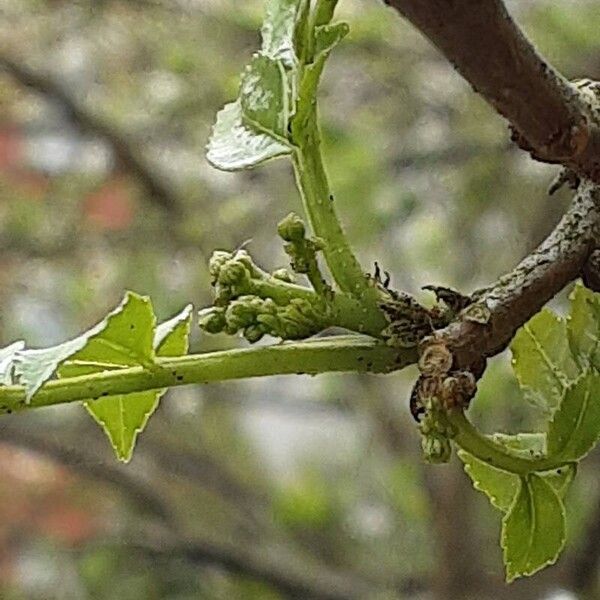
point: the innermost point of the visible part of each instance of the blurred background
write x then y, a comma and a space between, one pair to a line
267, 489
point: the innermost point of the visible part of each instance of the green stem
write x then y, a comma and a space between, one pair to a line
347, 312
496, 455
316, 196
344, 353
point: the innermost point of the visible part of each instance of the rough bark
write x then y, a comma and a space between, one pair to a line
550, 117
517, 296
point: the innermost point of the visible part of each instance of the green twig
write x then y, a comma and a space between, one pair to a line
343, 353
496, 455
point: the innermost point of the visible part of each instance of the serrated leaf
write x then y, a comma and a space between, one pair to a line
7, 360
125, 340
234, 146
264, 96
542, 359
171, 337
498, 485
533, 530
278, 30
583, 327
575, 426
34, 367
560, 479
124, 417
326, 38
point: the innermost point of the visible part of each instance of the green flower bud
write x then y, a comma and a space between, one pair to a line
436, 449
253, 333
291, 228
216, 261
240, 313
271, 323
233, 272
212, 320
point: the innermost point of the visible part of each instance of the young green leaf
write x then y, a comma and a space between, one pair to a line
278, 30
533, 530
264, 96
233, 146
34, 367
542, 359
583, 327
123, 417
498, 485
575, 426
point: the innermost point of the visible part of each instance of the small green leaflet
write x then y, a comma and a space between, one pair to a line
583, 327
555, 361
542, 359
32, 368
127, 337
264, 96
233, 146
255, 127
498, 485
130, 339
278, 30
533, 530
575, 427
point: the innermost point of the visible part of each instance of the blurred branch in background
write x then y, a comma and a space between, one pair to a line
291, 575
125, 150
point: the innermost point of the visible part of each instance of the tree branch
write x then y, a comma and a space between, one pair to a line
551, 117
518, 295
124, 150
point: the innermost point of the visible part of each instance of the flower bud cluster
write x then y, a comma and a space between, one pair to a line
256, 317
238, 307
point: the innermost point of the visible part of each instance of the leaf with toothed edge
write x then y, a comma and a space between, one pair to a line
575, 426
123, 417
542, 359
533, 529
32, 368
583, 327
